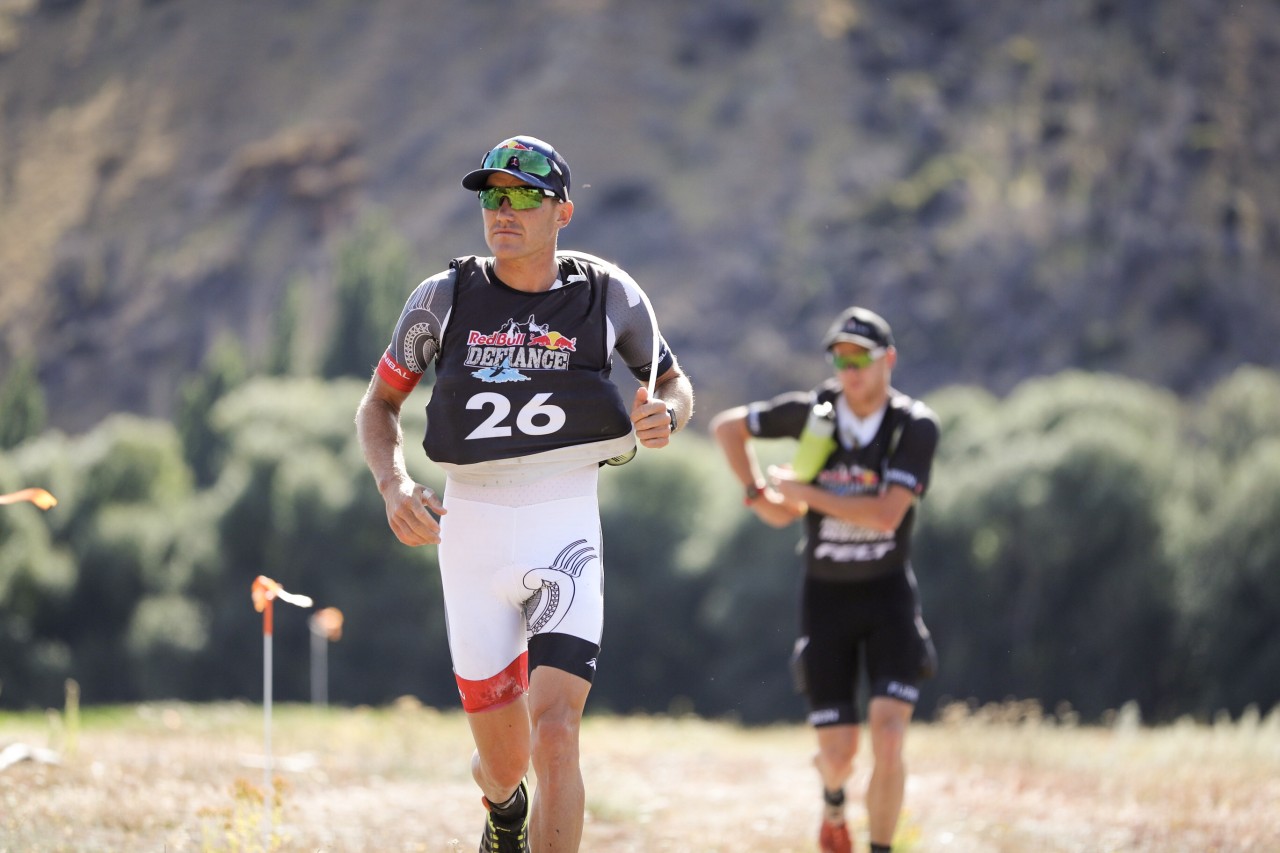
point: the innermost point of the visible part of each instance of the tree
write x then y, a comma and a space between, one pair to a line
1229, 591
1083, 540
76, 573
223, 370
294, 501
22, 409
373, 283
1241, 412
653, 652
284, 357
1225, 547
36, 575
1041, 551
126, 524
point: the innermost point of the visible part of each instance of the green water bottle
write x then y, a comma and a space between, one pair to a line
816, 442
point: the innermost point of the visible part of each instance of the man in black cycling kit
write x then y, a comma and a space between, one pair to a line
876, 447
521, 417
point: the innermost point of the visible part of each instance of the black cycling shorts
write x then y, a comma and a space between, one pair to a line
879, 620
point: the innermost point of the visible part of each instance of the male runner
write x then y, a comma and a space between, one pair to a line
521, 417
859, 592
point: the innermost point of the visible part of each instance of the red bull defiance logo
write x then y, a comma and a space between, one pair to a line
850, 480
501, 355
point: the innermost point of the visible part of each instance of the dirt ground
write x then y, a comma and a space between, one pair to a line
190, 778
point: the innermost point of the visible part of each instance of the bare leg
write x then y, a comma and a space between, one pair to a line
556, 703
834, 760
837, 746
502, 740
888, 724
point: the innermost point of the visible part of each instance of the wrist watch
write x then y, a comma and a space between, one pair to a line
753, 491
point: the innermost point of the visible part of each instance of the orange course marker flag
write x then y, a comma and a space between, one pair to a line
39, 497
329, 623
265, 591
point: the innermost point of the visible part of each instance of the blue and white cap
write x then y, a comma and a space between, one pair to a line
527, 158
862, 327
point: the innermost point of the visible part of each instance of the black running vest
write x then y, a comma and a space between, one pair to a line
844, 552
520, 373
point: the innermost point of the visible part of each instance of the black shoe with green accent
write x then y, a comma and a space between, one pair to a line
507, 834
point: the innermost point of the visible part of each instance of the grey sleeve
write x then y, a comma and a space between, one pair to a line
420, 329
631, 327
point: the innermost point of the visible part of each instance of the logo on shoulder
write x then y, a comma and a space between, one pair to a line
389, 364
904, 478
503, 354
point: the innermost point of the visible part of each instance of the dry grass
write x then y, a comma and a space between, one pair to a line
183, 778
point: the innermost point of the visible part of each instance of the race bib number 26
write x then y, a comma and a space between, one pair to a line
536, 417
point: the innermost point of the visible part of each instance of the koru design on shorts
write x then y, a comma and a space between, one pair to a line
554, 587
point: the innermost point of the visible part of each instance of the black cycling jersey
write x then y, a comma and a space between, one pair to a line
901, 453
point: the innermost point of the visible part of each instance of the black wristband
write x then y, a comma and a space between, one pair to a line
753, 491
671, 413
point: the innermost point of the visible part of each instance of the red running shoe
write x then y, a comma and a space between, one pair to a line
834, 838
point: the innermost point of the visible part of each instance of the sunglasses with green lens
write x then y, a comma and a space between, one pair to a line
521, 198
521, 159
858, 360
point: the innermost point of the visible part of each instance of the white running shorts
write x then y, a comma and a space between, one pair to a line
523, 584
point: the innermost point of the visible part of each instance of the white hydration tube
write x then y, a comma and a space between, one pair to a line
624, 458
653, 323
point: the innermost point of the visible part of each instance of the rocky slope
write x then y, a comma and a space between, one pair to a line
1021, 188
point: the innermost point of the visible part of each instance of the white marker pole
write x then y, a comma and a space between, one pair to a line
326, 628
319, 668
268, 786
265, 591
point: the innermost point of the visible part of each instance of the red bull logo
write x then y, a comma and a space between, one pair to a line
850, 480
554, 341
497, 339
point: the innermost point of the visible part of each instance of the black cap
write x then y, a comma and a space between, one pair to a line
862, 327
549, 170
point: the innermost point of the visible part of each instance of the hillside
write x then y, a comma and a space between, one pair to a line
1020, 188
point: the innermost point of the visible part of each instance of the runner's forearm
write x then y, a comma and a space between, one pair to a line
382, 442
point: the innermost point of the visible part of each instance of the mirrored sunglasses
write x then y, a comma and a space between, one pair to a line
857, 360
521, 159
521, 198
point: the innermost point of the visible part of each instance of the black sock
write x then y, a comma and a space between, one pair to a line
880, 848
513, 809
833, 805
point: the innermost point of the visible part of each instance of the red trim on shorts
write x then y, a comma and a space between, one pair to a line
397, 375
496, 690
